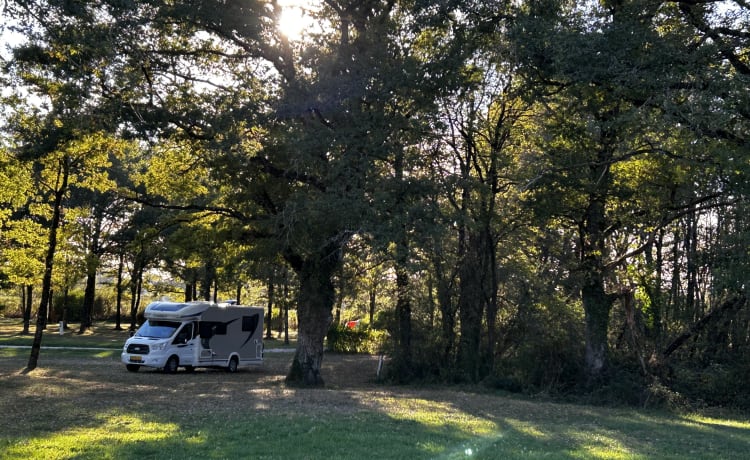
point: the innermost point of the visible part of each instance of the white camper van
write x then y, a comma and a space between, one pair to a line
196, 334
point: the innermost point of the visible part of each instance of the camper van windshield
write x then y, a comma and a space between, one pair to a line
157, 329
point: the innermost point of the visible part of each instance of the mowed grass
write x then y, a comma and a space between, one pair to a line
100, 335
86, 406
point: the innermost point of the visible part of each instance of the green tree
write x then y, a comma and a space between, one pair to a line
613, 163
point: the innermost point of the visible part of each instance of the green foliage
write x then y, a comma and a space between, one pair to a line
360, 339
546, 351
718, 384
526, 147
70, 304
277, 319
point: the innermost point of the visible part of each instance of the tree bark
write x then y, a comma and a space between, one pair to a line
92, 266
135, 293
597, 305
41, 317
270, 306
208, 279
314, 312
118, 313
88, 301
470, 310
26, 293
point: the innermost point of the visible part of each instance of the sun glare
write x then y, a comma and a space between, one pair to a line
294, 21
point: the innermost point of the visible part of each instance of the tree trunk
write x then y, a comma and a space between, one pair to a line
285, 324
135, 294
189, 292
470, 311
41, 317
118, 313
270, 307
444, 286
372, 295
314, 312
26, 294
88, 300
597, 306
401, 365
207, 282
492, 305
92, 266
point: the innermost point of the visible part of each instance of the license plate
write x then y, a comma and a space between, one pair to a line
136, 359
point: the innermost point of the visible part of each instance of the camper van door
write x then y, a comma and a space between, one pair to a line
185, 343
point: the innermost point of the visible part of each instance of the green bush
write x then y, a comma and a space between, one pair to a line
545, 352
71, 305
716, 384
360, 339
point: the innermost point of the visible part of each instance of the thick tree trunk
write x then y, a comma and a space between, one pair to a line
597, 306
470, 311
401, 366
314, 312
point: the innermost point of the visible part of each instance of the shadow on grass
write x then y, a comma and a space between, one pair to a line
96, 410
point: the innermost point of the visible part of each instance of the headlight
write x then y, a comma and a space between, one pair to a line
159, 346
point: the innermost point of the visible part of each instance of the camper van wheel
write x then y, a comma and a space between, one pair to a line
133, 367
171, 366
233, 362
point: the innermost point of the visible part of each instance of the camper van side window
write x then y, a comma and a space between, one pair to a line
209, 329
249, 323
184, 335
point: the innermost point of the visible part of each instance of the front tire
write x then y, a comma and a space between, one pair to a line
233, 364
132, 367
171, 366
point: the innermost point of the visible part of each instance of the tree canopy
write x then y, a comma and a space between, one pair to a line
549, 194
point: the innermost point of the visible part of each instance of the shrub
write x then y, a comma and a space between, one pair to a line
360, 339
716, 384
71, 305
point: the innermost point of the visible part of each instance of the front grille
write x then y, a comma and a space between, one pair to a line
137, 349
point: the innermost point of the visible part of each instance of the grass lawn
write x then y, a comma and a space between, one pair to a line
85, 405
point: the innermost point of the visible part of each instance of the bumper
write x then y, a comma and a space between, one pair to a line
149, 360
